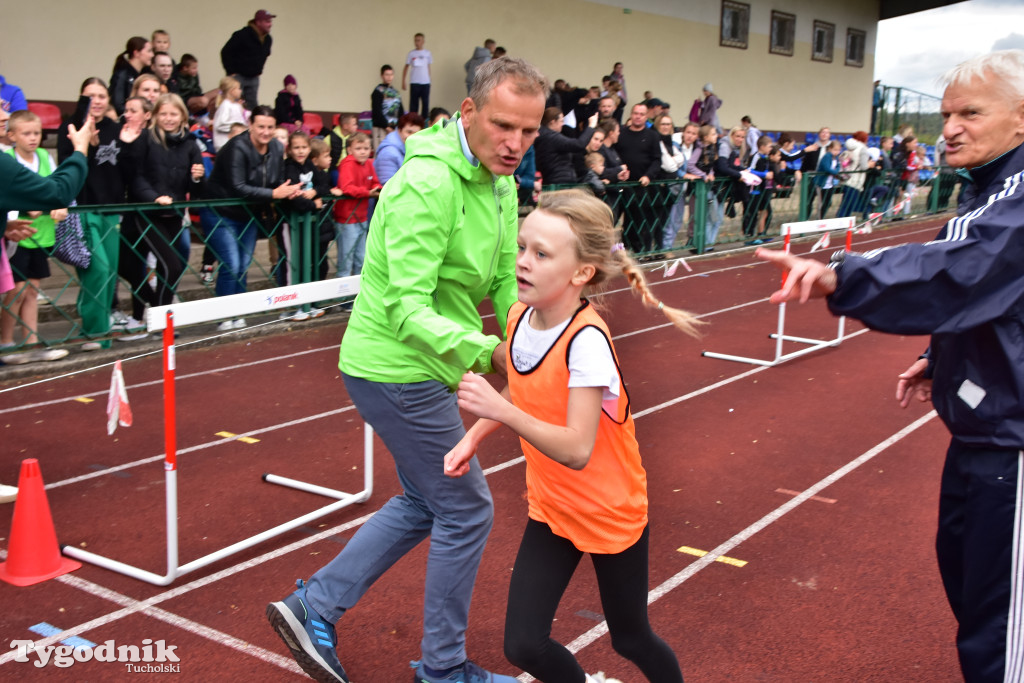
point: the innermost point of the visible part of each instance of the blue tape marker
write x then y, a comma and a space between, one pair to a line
48, 630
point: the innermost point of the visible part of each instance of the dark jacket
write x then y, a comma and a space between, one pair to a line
165, 171
241, 171
288, 107
109, 163
554, 155
640, 151
966, 290
121, 86
244, 53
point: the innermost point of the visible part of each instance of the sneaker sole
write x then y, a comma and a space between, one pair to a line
297, 640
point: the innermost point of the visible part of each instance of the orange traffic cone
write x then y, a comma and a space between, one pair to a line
33, 555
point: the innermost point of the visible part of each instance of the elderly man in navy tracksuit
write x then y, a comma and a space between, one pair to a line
966, 289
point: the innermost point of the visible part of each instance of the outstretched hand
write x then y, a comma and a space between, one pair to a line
804, 277
912, 383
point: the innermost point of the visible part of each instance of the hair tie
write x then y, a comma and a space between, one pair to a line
661, 305
618, 246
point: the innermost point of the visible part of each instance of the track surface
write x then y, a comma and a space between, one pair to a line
808, 472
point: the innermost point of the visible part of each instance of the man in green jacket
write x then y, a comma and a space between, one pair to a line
442, 238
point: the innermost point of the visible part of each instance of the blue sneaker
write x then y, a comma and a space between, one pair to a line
467, 673
311, 639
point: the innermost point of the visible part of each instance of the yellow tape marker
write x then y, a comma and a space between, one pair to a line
701, 553
232, 435
85, 399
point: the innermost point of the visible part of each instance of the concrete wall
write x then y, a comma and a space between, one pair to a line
336, 47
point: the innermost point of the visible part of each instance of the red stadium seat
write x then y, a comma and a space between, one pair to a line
313, 122
49, 114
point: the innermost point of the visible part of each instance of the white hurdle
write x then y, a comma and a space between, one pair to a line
192, 313
780, 336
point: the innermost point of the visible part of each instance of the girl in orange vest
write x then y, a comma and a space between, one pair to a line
586, 486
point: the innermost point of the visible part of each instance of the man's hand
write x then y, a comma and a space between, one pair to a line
81, 137
912, 383
19, 229
644, 181
804, 277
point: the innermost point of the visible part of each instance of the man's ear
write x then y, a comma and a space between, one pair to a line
468, 110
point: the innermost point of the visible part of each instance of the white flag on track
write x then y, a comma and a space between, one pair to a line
118, 410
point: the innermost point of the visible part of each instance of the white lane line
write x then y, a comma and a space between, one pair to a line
198, 447
674, 582
226, 368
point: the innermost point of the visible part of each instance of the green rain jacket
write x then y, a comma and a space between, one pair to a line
442, 238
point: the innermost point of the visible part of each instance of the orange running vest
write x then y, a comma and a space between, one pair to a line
603, 507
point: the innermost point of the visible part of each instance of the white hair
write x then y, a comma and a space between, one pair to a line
1006, 67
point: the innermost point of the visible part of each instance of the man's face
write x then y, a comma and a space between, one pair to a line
500, 131
654, 112
982, 121
386, 76
264, 25
824, 135
605, 108
163, 67
191, 69
262, 130
638, 117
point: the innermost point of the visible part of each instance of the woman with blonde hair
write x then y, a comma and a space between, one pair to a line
169, 168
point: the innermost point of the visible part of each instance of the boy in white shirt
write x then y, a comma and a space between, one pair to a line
419, 81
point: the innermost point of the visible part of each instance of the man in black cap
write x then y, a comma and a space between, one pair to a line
245, 53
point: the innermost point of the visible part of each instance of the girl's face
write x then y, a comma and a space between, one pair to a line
282, 135
612, 137
149, 89
912, 146
595, 141
161, 43
235, 93
169, 118
548, 272
134, 115
298, 150
100, 100
711, 138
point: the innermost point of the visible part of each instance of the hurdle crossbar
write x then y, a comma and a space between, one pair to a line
163, 318
780, 336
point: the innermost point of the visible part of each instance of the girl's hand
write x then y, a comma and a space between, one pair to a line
456, 462
478, 397
336, 191
309, 194
59, 214
198, 171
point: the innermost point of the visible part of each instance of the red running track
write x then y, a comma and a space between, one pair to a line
811, 483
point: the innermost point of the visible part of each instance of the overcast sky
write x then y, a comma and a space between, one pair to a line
913, 51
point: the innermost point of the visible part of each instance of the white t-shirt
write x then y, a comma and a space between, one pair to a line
419, 62
591, 363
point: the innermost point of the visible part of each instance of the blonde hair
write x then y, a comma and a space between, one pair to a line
171, 100
143, 78
226, 85
591, 221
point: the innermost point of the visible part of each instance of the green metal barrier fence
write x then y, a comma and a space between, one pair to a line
658, 220
667, 216
291, 247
